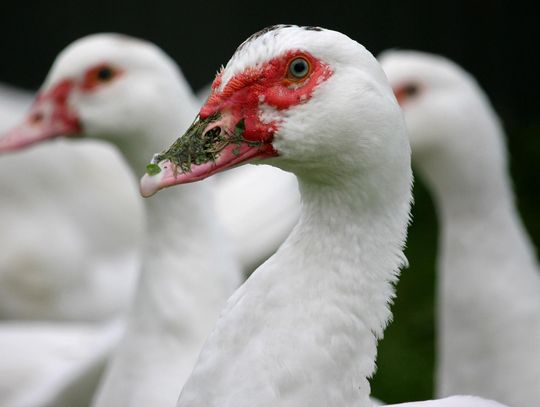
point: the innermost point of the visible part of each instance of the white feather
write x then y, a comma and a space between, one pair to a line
303, 328
489, 280
65, 256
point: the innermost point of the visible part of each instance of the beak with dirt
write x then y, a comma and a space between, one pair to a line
212, 144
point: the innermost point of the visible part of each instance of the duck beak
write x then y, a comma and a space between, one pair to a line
49, 117
209, 146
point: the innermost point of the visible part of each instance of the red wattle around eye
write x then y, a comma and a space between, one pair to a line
290, 76
257, 94
267, 84
406, 92
99, 75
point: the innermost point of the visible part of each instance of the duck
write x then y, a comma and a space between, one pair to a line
55, 336
53, 364
488, 289
129, 92
56, 264
303, 328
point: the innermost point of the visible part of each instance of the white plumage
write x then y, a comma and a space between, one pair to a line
184, 283
258, 205
13, 103
53, 365
303, 328
65, 255
489, 280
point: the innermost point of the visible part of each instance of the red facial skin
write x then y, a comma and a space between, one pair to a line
405, 92
50, 115
270, 84
92, 80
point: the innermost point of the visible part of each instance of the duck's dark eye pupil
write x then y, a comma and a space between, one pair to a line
105, 73
411, 90
299, 68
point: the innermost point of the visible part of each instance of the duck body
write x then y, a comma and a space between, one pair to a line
489, 280
65, 256
47, 359
128, 92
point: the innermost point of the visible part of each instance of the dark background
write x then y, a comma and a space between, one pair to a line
497, 41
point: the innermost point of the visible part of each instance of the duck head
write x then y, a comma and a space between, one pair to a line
284, 91
108, 86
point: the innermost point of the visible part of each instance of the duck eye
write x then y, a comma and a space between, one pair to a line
105, 74
411, 89
298, 68
407, 91
100, 75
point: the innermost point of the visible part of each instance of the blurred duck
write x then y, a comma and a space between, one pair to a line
53, 365
67, 254
67, 263
489, 280
303, 329
129, 92
258, 205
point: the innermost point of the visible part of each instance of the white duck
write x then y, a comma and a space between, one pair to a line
303, 329
489, 280
46, 363
129, 92
53, 365
65, 256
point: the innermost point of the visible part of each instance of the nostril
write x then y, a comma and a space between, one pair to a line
213, 134
36, 118
212, 141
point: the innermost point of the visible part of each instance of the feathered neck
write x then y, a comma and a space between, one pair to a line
488, 281
303, 329
475, 202
170, 112
182, 234
187, 274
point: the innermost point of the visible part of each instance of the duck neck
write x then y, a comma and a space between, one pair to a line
160, 129
185, 264
319, 305
183, 253
488, 280
186, 276
181, 246
355, 257
481, 232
